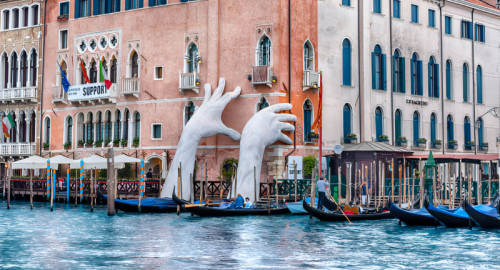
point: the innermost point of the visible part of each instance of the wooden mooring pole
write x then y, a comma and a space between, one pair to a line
31, 188
91, 191
111, 181
8, 172
294, 181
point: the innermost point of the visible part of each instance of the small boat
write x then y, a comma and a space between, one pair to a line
296, 208
416, 217
456, 219
487, 220
338, 216
148, 205
210, 210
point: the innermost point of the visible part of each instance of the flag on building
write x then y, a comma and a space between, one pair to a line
84, 72
7, 124
64, 80
317, 122
103, 77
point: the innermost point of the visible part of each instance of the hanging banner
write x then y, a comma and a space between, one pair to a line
89, 91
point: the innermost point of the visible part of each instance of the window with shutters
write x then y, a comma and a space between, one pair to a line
398, 127
480, 33
346, 62
465, 86
396, 9
448, 25
6, 19
379, 128
399, 83
433, 77
414, 13
347, 118
63, 8
153, 3
416, 76
14, 70
34, 11
378, 69
69, 129
466, 29
137, 122
24, 69
449, 81
114, 70
416, 128
82, 8
432, 18
467, 133
450, 131
63, 39
265, 51
433, 130
135, 65
480, 135
479, 81
307, 112
133, 4
33, 68
346, 2
46, 138
25, 16
377, 6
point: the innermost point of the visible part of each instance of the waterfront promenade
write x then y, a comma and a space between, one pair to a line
71, 237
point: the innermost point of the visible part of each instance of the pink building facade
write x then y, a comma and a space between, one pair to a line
158, 56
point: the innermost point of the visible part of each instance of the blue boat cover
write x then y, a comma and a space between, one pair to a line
460, 212
149, 202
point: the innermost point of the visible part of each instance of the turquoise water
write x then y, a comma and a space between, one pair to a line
72, 237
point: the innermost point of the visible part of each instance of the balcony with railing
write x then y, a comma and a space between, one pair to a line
17, 149
310, 80
262, 75
23, 94
131, 86
58, 94
189, 81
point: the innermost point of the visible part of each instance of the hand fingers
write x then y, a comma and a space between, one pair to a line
208, 93
282, 137
280, 107
233, 134
230, 96
286, 117
219, 90
286, 126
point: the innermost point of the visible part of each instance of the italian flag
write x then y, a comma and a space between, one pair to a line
103, 76
7, 124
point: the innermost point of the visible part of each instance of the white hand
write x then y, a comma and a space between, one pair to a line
205, 122
263, 129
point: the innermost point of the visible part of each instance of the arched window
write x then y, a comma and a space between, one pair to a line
307, 113
137, 125
465, 71
347, 117
449, 73
433, 81
264, 53
399, 72
433, 130
33, 68
379, 131
69, 129
467, 135
416, 128
480, 134
479, 74
80, 127
416, 76
125, 125
93, 72
15, 18
104, 66
135, 65
262, 104
192, 59
90, 129
378, 69
22, 127
24, 69
47, 130
107, 126
449, 131
98, 127
118, 124
346, 62
6, 19
308, 56
82, 79
14, 69
34, 10
398, 127
25, 16
5, 66
32, 126
114, 70
189, 111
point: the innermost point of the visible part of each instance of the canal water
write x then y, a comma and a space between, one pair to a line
72, 237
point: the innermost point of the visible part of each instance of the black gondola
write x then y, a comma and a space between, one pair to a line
148, 205
488, 220
338, 216
214, 211
457, 219
418, 217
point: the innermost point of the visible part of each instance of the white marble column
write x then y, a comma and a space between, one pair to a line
129, 129
28, 120
112, 135
18, 121
18, 83
9, 77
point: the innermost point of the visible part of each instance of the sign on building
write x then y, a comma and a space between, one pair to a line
89, 91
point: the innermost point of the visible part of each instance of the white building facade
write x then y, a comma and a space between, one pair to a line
419, 74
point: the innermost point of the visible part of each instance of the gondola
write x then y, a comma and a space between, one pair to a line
338, 216
458, 218
487, 219
148, 205
416, 217
203, 210
297, 209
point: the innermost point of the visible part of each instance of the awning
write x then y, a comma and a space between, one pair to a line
33, 162
60, 159
440, 158
92, 162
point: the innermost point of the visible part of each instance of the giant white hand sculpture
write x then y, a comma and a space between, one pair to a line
263, 129
205, 122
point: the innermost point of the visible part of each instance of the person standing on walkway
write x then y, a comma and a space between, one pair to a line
322, 184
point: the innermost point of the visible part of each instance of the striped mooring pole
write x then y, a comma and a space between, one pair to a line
81, 180
141, 184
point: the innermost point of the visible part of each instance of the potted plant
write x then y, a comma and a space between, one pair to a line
45, 146
135, 142
81, 143
313, 135
90, 143
383, 138
106, 142
63, 17
98, 143
124, 142
67, 145
402, 141
116, 142
470, 145
452, 144
350, 138
483, 146
421, 142
437, 144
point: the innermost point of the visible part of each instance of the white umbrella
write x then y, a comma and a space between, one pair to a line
122, 159
60, 159
92, 162
33, 162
